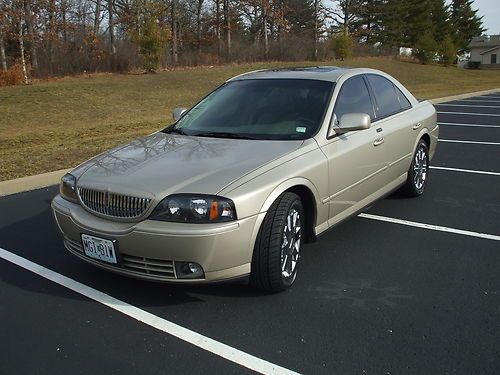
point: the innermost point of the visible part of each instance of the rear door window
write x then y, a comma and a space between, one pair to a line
403, 100
386, 98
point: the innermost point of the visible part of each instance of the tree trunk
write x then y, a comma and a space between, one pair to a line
264, 30
112, 43
29, 25
198, 28
281, 21
97, 19
64, 23
316, 15
175, 52
2, 53
21, 48
227, 17
217, 28
52, 34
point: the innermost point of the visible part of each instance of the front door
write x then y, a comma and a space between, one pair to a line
356, 159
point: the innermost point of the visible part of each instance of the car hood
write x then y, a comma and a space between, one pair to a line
163, 164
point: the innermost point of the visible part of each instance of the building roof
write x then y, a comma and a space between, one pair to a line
485, 41
490, 50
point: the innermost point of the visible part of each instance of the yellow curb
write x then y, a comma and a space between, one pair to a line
463, 96
52, 178
31, 182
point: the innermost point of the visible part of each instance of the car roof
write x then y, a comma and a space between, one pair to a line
322, 73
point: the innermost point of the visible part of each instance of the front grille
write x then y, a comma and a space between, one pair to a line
111, 204
149, 267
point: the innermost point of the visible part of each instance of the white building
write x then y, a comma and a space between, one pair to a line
486, 50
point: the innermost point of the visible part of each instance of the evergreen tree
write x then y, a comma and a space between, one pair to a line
342, 44
466, 23
393, 24
440, 17
368, 22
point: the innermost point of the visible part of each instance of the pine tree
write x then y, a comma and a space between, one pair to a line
368, 23
466, 23
440, 17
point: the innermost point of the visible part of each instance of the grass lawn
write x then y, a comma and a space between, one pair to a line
54, 125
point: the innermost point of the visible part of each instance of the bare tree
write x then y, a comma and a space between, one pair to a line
52, 33
265, 9
21, 48
112, 43
227, 20
316, 27
2, 52
217, 27
175, 33
97, 17
199, 6
31, 33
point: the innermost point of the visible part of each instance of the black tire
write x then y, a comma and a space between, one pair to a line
268, 253
418, 172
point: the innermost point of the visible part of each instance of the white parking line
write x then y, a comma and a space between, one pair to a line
468, 105
465, 170
472, 125
469, 142
478, 100
430, 227
468, 113
194, 338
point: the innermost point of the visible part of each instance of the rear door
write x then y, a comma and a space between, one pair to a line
394, 117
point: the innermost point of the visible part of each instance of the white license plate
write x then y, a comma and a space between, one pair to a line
99, 248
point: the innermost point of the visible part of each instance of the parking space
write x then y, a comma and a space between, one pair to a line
372, 296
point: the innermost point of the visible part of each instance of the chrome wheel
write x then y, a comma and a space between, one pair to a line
290, 245
420, 167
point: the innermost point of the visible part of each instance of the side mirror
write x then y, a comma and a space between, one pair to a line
178, 113
351, 122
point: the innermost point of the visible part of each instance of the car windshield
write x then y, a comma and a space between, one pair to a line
284, 109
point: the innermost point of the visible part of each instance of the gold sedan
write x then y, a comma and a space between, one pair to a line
264, 163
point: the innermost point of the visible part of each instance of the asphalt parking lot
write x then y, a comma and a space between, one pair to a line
410, 287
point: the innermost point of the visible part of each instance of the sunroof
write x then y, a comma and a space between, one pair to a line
315, 69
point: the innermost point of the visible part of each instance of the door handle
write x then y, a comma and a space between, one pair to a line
415, 127
378, 142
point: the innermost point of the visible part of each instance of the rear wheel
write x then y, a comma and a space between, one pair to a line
277, 248
418, 172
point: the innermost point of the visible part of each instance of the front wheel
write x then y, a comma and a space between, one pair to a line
418, 172
277, 247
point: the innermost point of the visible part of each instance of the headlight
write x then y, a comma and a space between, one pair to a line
67, 188
190, 208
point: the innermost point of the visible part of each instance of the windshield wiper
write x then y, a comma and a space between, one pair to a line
224, 135
176, 131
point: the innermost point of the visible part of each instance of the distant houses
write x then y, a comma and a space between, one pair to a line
485, 52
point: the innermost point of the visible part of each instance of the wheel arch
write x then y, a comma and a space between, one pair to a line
309, 196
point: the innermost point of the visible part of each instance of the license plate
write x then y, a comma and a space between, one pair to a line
99, 248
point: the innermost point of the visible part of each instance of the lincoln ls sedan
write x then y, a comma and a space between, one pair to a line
233, 188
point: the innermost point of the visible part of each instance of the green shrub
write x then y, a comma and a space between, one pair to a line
425, 48
342, 45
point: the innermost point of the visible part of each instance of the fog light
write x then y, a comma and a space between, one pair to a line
189, 270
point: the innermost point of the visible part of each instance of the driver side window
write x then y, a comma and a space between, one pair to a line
353, 98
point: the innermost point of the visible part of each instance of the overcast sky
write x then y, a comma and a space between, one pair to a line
490, 10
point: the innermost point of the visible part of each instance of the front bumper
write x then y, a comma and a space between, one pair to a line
149, 249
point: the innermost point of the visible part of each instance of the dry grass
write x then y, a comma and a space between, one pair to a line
54, 125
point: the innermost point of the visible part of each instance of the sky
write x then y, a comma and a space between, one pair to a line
490, 10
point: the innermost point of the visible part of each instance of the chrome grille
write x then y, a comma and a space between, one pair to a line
151, 268
111, 204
